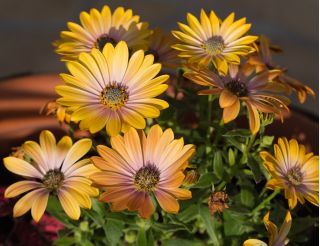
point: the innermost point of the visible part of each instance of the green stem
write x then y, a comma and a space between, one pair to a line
251, 141
218, 132
210, 99
265, 201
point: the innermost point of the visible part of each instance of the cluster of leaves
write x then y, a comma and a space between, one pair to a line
227, 159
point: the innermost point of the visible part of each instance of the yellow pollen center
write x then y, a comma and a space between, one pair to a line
295, 176
114, 96
147, 178
214, 45
53, 180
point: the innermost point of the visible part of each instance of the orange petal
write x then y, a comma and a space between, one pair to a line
254, 120
227, 98
167, 202
20, 187
231, 112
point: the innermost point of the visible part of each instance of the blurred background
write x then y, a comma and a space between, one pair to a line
27, 29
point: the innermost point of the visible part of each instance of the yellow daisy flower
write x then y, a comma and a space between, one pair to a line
107, 89
257, 91
160, 46
211, 40
137, 166
98, 28
262, 60
55, 169
294, 171
276, 237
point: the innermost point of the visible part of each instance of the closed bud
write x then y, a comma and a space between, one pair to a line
191, 177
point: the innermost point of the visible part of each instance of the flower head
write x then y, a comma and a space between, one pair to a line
98, 28
262, 60
294, 171
218, 202
160, 46
257, 91
60, 112
276, 237
54, 169
211, 40
107, 89
137, 166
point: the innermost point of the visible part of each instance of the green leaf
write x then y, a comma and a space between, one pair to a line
64, 241
209, 223
238, 133
255, 168
266, 141
170, 227
218, 165
231, 157
233, 142
188, 214
113, 230
247, 198
235, 223
184, 242
204, 181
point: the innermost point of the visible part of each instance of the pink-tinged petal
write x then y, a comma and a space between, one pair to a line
76, 166
167, 202
170, 153
111, 178
25, 203
114, 161
39, 205
227, 99
133, 145
21, 167
147, 208
136, 201
33, 150
48, 146
62, 149
21, 187
166, 138
77, 151
117, 194
69, 204
152, 139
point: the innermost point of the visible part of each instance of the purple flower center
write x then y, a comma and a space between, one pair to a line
103, 40
237, 87
294, 176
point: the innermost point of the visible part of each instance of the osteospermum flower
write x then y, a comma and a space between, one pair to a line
54, 169
211, 40
53, 108
98, 28
262, 60
294, 171
137, 166
160, 46
276, 237
257, 91
107, 89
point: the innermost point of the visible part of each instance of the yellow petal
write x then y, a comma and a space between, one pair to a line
69, 204
77, 151
21, 167
48, 146
254, 119
39, 205
20, 187
254, 242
